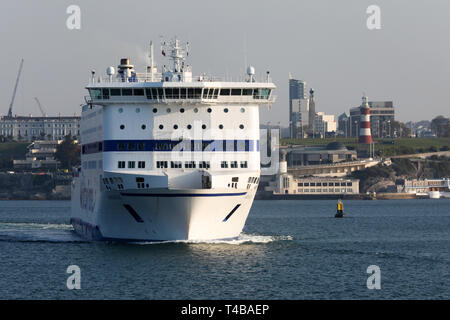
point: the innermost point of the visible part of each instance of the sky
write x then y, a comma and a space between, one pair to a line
324, 42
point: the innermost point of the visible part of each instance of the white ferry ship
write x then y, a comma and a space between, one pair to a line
167, 155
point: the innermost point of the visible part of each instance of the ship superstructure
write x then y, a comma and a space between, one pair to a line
167, 155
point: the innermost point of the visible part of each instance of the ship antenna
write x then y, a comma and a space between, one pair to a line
152, 61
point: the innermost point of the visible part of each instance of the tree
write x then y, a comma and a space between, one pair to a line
441, 126
68, 153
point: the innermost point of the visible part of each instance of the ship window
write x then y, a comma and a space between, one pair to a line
216, 92
197, 93
190, 93
169, 92
122, 127
121, 164
233, 164
143, 127
247, 92
244, 164
241, 126
224, 164
189, 165
189, 126
209, 110
204, 165
141, 165
176, 164
203, 126
225, 92
154, 93
138, 92
183, 93
220, 126
168, 110
115, 92
105, 93
182, 110
161, 127
127, 92
155, 110
205, 93
148, 93
160, 93
225, 110
242, 110
131, 164
195, 110
175, 126
176, 93
236, 92
121, 146
120, 110
131, 146
95, 93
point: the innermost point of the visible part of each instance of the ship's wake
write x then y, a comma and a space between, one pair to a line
53, 232
243, 238
37, 232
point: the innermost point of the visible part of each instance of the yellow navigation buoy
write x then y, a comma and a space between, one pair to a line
340, 210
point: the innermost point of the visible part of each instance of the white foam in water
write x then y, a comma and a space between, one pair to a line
36, 225
242, 239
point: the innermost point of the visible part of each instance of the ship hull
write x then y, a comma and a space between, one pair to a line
163, 215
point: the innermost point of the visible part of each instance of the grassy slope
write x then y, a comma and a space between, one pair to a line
386, 147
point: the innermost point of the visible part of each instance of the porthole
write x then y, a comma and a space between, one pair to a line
220, 126
175, 126
155, 110
182, 110
168, 110
143, 127
203, 126
138, 110
225, 110
195, 110
189, 126
242, 110
209, 110
120, 110
161, 126
122, 127
241, 126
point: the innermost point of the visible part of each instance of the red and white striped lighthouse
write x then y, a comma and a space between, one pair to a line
365, 136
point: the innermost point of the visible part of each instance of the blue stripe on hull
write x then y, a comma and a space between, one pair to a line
168, 195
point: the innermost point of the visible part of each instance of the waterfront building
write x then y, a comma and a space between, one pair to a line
29, 128
40, 155
344, 125
285, 183
333, 152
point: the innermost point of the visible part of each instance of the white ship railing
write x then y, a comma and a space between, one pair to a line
157, 77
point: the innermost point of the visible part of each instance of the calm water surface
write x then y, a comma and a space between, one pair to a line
289, 250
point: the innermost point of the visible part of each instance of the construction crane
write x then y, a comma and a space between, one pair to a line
40, 106
15, 89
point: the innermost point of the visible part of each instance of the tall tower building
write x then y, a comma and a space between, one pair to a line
365, 135
297, 93
312, 112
